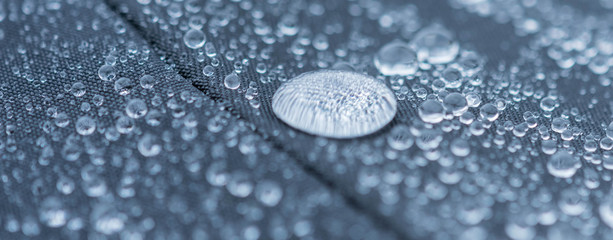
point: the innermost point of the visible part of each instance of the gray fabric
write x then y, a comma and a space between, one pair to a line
345, 162
59, 184
332, 189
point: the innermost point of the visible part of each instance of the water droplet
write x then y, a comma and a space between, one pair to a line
149, 145
470, 63
52, 213
559, 124
452, 77
519, 231
107, 220
106, 72
549, 147
548, 104
460, 147
609, 131
431, 111
335, 103
78, 89
147, 81
194, 38
124, 124
240, 185
606, 211
62, 120
268, 193
136, 108
456, 103
489, 112
208, 71
85, 125
435, 45
232, 81
473, 99
563, 165
396, 58
123, 86
400, 138
217, 174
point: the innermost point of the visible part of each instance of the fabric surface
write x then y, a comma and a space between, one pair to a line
89, 158
172, 152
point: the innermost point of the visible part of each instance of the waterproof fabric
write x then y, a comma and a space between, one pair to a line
187, 169
206, 160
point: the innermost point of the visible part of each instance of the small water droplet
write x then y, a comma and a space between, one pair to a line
232, 81
452, 77
240, 184
489, 112
136, 108
194, 38
147, 81
456, 103
431, 111
460, 147
268, 193
435, 45
149, 145
106, 72
400, 138
563, 165
548, 104
396, 58
52, 213
123, 86
78, 89
609, 131
85, 125
606, 211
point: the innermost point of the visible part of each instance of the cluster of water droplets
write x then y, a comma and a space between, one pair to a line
103, 140
453, 108
477, 150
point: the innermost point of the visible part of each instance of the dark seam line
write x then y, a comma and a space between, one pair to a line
377, 220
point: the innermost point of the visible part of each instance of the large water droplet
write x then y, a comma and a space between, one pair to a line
335, 103
396, 58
